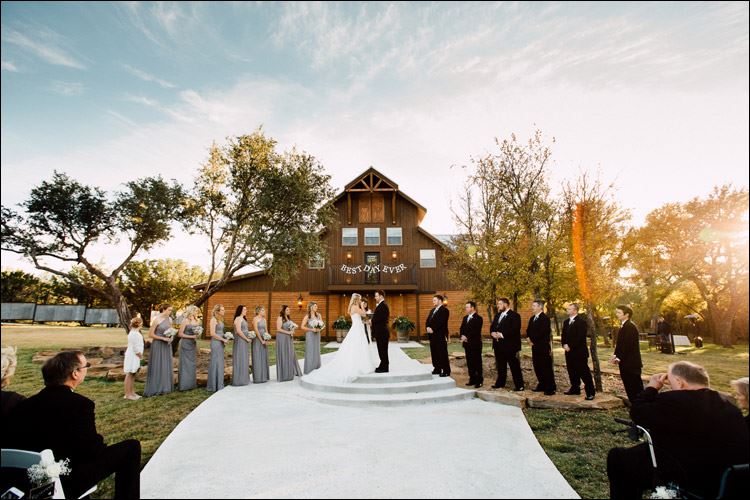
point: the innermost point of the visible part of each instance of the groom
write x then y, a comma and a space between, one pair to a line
380, 332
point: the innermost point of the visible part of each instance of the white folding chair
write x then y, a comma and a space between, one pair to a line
22, 459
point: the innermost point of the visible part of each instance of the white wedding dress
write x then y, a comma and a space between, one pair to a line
354, 358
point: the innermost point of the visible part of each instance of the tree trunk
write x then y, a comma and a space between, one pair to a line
721, 324
594, 352
119, 302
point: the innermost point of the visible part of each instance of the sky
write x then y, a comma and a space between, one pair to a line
652, 96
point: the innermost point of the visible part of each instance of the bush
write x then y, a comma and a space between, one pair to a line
404, 324
342, 323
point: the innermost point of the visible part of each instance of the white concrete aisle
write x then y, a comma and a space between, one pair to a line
269, 441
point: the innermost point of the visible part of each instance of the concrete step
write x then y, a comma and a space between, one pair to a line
409, 387
422, 398
393, 378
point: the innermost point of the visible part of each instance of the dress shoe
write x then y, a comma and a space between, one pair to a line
498, 386
381, 370
436, 372
590, 397
572, 393
470, 383
444, 375
519, 389
549, 393
537, 389
478, 385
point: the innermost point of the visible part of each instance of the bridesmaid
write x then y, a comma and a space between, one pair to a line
216, 365
240, 355
188, 336
159, 378
286, 359
312, 338
261, 372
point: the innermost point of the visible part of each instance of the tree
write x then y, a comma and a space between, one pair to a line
261, 208
597, 242
147, 283
64, 218
19, 286
703, 241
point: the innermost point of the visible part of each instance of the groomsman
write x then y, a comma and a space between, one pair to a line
506, 342
437, 330
577, 353
471, 336
628, 353
539, 333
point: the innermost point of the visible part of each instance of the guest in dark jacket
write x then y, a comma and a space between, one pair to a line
506, 343
573, 339
539, 334
437, 331
63, 421
697, 434
471, 336
9, 398
628, 353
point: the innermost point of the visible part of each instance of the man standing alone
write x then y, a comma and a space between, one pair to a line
539, 333
628, 353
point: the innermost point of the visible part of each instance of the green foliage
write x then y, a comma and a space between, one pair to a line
403, 324
18, 286
342, 323
260, 208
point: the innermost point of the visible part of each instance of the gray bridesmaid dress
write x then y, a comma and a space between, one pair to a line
241, 357
188, 349
261, 373
159, 377
216, 364
286, 359
312, 350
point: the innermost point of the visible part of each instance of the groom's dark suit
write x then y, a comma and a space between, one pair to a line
380, 332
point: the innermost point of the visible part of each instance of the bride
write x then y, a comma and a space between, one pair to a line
355, 357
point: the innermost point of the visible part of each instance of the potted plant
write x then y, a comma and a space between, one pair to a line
341, 326
403, 326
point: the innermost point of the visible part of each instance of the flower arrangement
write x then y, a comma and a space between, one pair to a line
342, 323
667, 491
44, 471
317, 324
228, 336
251, 335
266, 336
170, 333
403, 324
197, 331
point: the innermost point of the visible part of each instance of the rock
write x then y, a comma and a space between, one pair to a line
562, 402
94, 361
458, 355
116, 375
102, 370
141, 375
503, 398
47, 353
38, 358
202, 379
205, 350
489, 355
107, 352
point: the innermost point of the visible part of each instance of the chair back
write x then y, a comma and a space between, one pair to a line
23, 459
734, 482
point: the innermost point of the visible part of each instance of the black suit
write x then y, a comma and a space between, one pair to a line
577, 360
696, 433
63, 421
507, 348
438, 321
539, 332
629, 352
472, 330
380, 332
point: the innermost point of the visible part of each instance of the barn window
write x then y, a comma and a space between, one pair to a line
427, 258
317, 262
395, 236
349, 237
372, 236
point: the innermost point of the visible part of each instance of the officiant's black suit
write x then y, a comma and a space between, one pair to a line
438, 321
577, 359
629, 352
539, 333
507, 348
380, 332
472, 330
64, 421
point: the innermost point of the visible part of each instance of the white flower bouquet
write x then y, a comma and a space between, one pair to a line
45, 472
266, 336
198, 330
170, 333
251, 335
317, 324
228, 336
668, 491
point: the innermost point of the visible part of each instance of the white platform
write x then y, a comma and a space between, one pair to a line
270, 441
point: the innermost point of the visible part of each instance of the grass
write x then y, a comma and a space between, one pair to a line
576, 442
115, 419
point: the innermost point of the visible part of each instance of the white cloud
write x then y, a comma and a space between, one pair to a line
45, 44
67, 88
9, 66
147, 77
121, 118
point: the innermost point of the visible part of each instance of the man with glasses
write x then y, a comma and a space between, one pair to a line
60, 419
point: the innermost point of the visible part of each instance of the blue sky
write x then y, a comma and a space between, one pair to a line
653, 95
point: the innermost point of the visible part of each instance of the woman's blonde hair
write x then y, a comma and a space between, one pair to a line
310, 305
215, 311
9, 362
741, 386
136, 322
355, 298
258, 309
192, 310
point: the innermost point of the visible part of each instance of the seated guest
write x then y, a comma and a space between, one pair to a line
63, 421
9, 398
697, 434
740, 394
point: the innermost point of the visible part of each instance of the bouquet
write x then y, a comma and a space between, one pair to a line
170, 333
47, 471
317, 324
266, 336
197, 330
229, 336
251, 335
